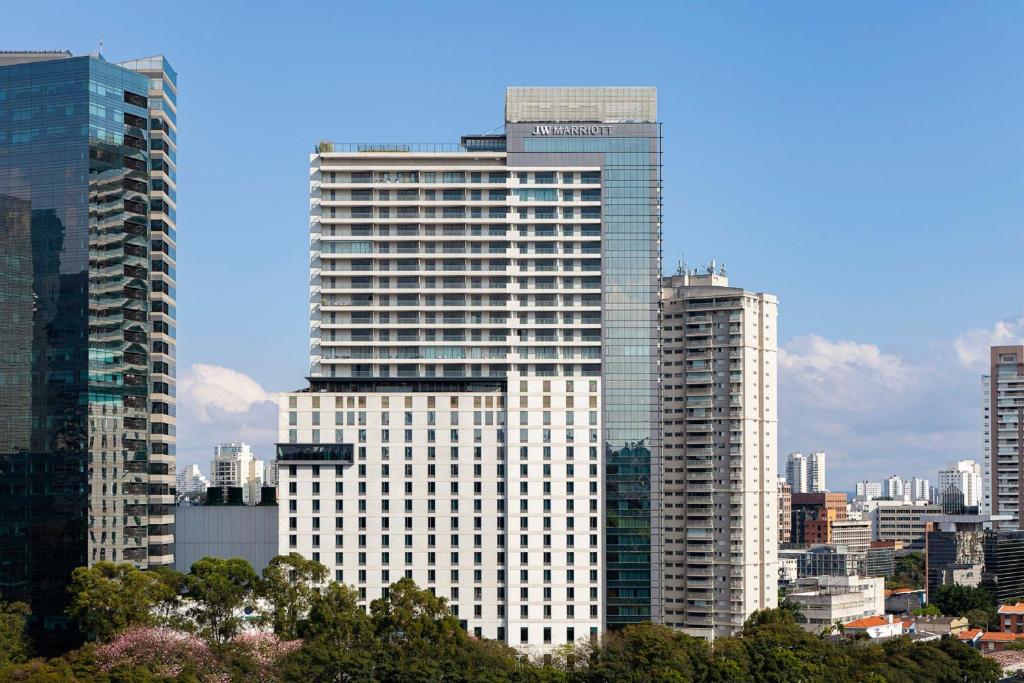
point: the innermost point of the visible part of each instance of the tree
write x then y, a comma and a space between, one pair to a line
108, 598
778, 649
14, 643
647, 652
289, 585
929, 610
956, 601
339, 642
217, 590
908, 573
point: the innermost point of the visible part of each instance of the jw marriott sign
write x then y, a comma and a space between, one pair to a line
572, 130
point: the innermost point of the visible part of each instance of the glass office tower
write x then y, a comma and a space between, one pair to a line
616, 130
77, 479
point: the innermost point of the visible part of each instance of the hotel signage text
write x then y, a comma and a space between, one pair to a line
572, 130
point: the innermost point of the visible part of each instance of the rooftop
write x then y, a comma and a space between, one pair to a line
1012, 609
8, 57
868, 622
591, 104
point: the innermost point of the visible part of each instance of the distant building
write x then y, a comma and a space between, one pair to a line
868, 490
904, 600
880, 559
901, 522
816, 472
785, 513
895, 488
920, 490
824, 600
796, 473
1003, 444
815, 506
955, 549
964, 479
824, 560
233, 464
190, 479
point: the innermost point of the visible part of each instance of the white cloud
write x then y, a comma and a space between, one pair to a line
972, 347
205, 387
842, 375
218, 404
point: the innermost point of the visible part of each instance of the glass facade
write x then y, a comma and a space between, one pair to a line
74, 356
629, 156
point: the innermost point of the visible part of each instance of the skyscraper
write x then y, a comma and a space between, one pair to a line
1003, 417
721, 484
816, 472
797, 473
896, 488
868, 490
484, 394
234, 465
84, 479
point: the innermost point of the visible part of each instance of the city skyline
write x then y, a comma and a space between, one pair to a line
872, 366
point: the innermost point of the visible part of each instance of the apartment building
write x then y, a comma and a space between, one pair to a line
720, 439
961, 479
785, 507
797, 475
234, 465
483, 412
1003, 443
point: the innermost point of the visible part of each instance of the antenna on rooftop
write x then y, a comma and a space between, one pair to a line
101, 45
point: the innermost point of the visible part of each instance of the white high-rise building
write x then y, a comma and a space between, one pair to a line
869, 490
920, 489
1003, 445
233, 464
191, 479
721, 483
797, 473
964, 478
896, 488
816, 472
484, 412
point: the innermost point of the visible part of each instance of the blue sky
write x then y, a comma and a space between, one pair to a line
862, 161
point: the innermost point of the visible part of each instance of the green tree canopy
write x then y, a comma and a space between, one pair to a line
108, 598
956, 601
290, 584
14, 643
218, 589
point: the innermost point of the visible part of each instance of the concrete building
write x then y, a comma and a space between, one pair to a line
1003, 444
816, 472
234, 464
225, 531
963, 479
484, 409
892, 521
824, 600
721, 488
785, 506
86, 324
896, 488
868, 490
797, 475
920, 490
190, 479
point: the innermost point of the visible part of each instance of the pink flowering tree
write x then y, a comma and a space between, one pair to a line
164, 651
264, 652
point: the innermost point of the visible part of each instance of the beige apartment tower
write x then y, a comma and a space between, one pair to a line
720, 441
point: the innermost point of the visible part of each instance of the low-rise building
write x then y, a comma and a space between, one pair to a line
825, 600
944, 626
225, 531
875, 627
996, 641
1011, 618
904, 600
